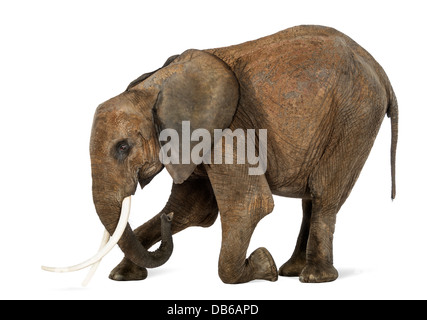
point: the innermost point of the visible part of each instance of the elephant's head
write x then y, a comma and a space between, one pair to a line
124, 145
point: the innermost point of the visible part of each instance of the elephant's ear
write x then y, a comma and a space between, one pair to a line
197, 91
148, 74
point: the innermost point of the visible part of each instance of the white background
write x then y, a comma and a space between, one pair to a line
59, 60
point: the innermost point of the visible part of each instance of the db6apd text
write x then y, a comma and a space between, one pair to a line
214, 310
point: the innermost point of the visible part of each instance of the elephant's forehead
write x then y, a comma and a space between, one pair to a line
115, 117
113, 125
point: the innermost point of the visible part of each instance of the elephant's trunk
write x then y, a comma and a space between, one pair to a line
109, 210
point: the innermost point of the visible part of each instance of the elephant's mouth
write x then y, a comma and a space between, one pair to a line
108, 243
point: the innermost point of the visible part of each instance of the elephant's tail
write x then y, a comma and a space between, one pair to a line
393, 114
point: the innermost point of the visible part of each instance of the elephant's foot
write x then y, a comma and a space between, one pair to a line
315, 273
128, 271
263, 265
293, 267
260, 265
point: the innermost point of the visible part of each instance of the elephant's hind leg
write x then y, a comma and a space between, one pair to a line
319, 254
330, 184
294, 266
193, 203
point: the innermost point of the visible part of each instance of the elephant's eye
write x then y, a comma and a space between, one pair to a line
123, 147
122, 150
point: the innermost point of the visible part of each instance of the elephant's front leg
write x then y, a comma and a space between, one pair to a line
193, 203
233, 267
243, 200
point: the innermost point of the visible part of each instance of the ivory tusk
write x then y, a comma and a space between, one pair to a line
121, 225
94, 267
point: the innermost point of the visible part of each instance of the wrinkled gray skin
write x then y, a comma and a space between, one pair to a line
322, 99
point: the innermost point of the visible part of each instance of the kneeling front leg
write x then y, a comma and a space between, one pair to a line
193, 204
243, 201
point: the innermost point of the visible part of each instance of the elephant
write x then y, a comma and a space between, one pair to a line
321, 99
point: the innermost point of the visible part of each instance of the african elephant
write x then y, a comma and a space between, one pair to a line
321, 98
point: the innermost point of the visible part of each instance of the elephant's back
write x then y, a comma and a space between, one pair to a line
283, 82
289, 85
304, 38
